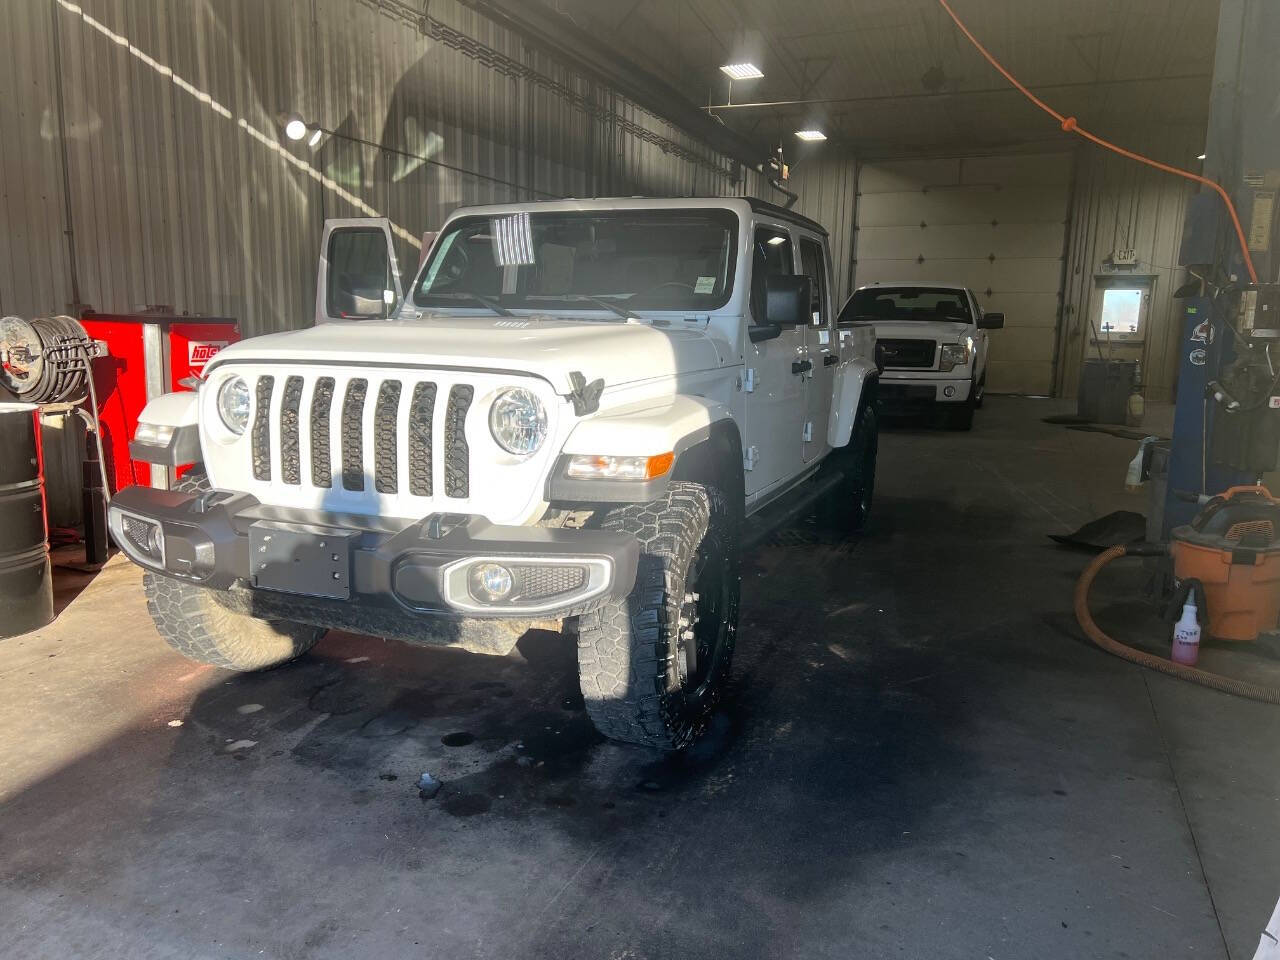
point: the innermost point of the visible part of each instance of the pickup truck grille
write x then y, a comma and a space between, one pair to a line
905, 354
363, 458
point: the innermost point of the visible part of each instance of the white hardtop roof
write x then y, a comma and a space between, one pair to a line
743, 206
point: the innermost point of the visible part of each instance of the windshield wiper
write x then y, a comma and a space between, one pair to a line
601, 302
479, 298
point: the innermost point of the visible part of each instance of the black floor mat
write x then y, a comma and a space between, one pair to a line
1123, 526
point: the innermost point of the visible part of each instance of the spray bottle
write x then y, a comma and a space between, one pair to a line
1186, 634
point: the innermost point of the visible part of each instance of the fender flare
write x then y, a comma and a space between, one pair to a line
700, 432
174, 437
855, 382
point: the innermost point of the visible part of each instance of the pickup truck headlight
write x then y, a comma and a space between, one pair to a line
953, 355
233, 404
518, 421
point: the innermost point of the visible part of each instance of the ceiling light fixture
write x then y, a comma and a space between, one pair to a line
742, 71
811, 135
316, 134
295, 128
1201, 157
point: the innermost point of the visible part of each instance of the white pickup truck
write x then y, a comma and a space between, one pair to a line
575, 415
931, 345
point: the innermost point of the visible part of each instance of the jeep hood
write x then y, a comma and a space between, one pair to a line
944, 331
616, 351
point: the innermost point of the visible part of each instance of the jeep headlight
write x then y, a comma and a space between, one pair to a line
233, 404
953, 355
518, 421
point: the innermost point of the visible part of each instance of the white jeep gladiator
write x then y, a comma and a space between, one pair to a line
931, 346
577, 413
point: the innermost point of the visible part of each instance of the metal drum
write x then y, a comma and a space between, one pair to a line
26, 588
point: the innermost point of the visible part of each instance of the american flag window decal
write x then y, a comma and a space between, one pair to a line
512, 240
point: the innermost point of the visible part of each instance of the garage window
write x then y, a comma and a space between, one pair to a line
1120, 310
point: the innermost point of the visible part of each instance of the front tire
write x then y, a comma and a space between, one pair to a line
653, 666
192, 622
863, 452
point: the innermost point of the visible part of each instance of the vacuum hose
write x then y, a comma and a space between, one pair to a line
1239, 688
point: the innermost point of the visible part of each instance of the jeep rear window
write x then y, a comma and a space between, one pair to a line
906, 303
677, 259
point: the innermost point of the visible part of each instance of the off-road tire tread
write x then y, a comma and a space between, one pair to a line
625, 646
194, 624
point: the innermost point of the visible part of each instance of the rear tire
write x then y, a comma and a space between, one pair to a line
192, 622
653, 666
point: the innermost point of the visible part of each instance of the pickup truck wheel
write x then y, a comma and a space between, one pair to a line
960, 415
193, 623
652, 666
981, 387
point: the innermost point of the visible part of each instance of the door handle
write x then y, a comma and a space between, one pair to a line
830, 360
801, 366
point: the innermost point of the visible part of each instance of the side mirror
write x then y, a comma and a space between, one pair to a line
991, 321
763, 331
788, 299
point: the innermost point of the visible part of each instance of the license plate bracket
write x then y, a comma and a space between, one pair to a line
302, 559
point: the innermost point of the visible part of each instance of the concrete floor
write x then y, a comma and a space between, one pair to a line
920, 757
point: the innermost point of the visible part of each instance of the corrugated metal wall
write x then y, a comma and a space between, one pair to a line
828, 189
183, 190
1121, 204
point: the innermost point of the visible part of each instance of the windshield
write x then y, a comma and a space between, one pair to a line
609, 260
907, 303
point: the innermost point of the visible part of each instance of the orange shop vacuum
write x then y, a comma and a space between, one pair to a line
1229, 556
1232, 547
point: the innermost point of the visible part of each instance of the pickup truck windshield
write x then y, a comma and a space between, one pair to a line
613, 260
907, 303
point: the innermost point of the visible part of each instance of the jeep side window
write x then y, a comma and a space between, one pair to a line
359, 273
813, 265
772, 258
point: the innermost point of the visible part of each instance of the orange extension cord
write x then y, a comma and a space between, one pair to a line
1239, 688
1069, 125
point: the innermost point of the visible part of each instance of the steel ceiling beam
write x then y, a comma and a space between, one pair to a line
561, 38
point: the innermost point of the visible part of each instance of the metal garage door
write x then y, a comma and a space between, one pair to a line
993, 224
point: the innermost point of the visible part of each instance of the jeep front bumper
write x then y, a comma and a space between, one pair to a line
451, 564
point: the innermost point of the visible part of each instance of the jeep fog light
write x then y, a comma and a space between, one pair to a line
490, 582
143, 540
597, 467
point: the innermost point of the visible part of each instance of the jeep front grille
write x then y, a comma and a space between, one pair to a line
283, 432
261, 428
321, 462
353, 435
290, 460
457, 458
421, 409
384, 442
